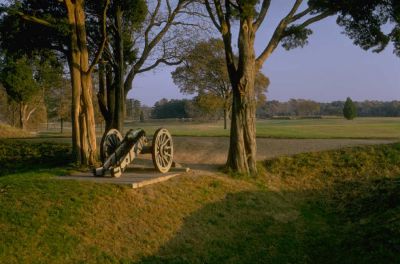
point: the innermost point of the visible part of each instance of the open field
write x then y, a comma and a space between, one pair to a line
329, 128
374, 128
327, 207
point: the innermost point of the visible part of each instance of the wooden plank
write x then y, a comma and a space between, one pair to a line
136, 185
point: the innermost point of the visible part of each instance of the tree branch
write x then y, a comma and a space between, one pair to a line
158, 62
301, 14
104, 40
315, 19
35, 20
262, 15
149, 45
278, 33
211, 14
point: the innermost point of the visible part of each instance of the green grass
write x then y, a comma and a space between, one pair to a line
21, 156
362, 128
330, 207
325, 128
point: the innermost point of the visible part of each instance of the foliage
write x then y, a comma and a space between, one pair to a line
371, 24
22, 36
171, 109
17, 156
141, 118
133, 109
349, 109
17, 77
301, 108
205, 74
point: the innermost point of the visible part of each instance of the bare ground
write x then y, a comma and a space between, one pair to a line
206, 153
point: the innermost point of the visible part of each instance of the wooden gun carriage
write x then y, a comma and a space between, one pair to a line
118, 152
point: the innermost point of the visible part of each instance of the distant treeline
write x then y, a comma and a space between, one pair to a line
186, 108
300, 107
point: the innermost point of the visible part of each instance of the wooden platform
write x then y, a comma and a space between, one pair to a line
138, 175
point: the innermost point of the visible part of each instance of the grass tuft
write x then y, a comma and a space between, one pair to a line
7, 131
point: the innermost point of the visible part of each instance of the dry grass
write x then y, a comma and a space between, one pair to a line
7, 131
329, 207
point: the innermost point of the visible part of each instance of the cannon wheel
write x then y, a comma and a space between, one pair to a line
109, 143
162, 150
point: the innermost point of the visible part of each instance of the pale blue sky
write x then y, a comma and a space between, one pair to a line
329, 68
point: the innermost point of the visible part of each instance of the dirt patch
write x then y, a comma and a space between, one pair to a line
201, 152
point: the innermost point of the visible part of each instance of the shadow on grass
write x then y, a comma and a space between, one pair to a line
292, 227
20, 156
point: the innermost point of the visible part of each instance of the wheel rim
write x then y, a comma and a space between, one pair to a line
162, 150
110, 143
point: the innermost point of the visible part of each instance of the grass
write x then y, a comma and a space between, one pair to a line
20, 156
7, 131
362, 128
325, 128
330, 207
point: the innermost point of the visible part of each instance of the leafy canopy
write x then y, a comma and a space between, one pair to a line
17, 77
371, 24
349, 109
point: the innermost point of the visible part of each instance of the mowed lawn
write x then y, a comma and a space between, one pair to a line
361, 128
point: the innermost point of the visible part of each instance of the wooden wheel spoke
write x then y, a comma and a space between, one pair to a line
166, 142
110, 143
162, 150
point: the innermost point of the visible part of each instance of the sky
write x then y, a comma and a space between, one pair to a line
329, 68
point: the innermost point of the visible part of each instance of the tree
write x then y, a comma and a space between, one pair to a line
205, 73
242, 72
141, 116
133, 108
349, 109
171, 109
60, 26
124, 18
371, 24
139, 46
17, 77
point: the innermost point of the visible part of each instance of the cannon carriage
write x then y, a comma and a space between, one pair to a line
118, 152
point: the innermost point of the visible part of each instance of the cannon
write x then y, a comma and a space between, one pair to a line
117, 152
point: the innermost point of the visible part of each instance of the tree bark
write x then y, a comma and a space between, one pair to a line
83, 124
22, 115
242, 148
225, 118
119, 113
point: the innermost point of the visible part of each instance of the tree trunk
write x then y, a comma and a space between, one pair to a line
225, 118
242, 148
110, 97
106, 104
83, 124
22, 115
119, 113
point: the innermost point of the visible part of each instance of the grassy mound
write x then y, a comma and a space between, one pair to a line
19, 156
7, 131
359, 188
309, 208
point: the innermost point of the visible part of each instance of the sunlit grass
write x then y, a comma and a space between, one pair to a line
329, 207
303, 128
